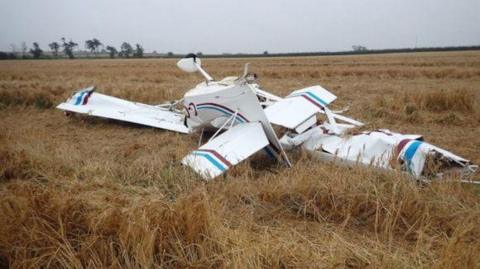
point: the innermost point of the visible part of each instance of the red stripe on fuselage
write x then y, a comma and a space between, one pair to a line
401, 145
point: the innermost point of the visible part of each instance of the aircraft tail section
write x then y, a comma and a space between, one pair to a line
228, 149
298, 110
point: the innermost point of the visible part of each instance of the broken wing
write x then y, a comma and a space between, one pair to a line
87, 101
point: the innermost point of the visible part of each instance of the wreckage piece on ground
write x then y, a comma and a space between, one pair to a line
383, 149
243, 117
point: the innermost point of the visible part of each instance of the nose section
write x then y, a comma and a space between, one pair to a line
192, 120
190, 109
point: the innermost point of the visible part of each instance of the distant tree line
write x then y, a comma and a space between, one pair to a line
94, 46
67, 47
356, 51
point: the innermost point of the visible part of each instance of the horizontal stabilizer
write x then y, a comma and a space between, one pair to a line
95, 104
299, 106
227, 150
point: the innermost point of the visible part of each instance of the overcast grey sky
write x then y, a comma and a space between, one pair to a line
216, 26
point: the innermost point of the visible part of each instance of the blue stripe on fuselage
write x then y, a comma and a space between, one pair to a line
269, 152
238, 118
410, 152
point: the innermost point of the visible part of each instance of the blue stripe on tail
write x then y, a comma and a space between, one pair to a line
317, 98
210, 159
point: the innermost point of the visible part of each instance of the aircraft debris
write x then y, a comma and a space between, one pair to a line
247, 114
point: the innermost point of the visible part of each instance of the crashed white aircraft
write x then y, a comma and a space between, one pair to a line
243, 116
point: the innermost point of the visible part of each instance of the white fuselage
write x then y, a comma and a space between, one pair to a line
210, 105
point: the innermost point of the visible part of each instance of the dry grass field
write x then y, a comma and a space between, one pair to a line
92, 193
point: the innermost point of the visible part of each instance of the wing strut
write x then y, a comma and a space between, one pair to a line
231, 119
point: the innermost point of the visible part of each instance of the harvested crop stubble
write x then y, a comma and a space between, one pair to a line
88, 192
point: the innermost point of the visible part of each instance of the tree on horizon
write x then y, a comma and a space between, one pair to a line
68, 47
112, 51
93, 45
359, 48
36, 51
54, 46
138, 51
126, 49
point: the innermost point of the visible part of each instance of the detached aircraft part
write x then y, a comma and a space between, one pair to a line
382, 149
227, 150
87, 101
243, 116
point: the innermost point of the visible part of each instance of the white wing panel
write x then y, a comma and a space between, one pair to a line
227, 150
100, 105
